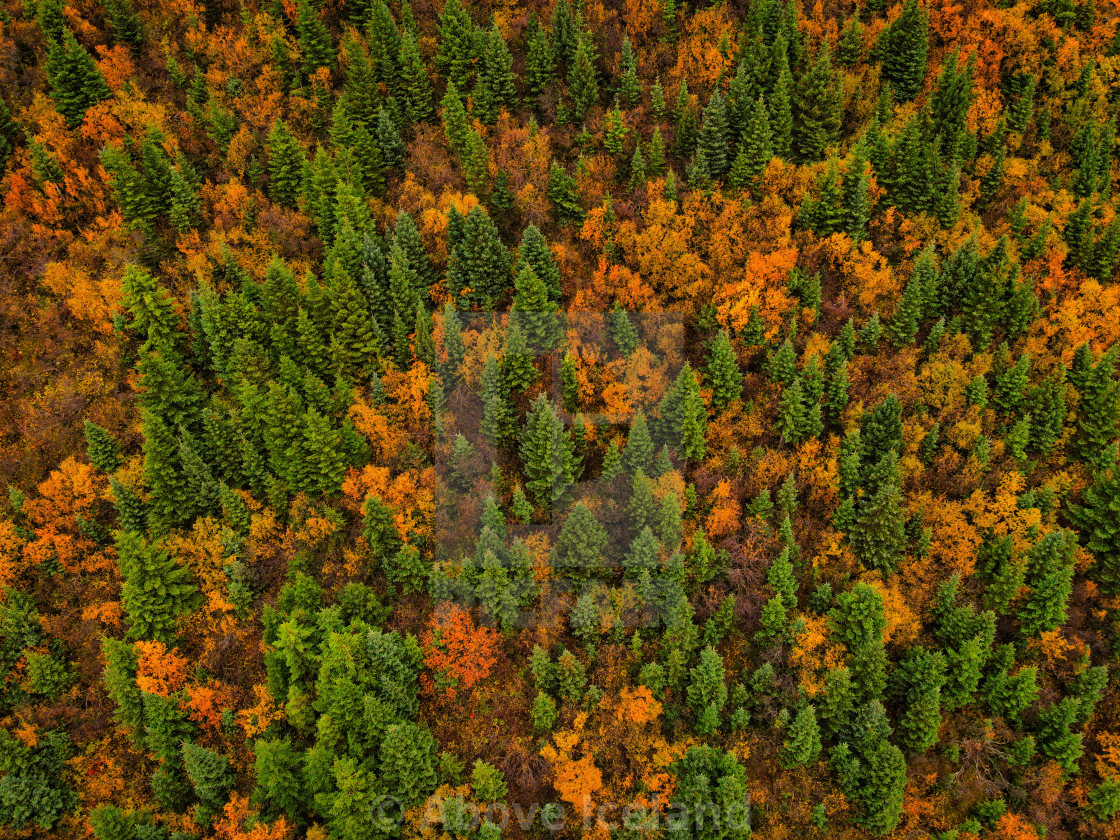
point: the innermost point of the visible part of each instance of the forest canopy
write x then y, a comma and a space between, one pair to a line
587, 419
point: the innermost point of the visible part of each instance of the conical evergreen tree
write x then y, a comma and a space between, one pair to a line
545, 453
855, 208
803, 743
920, 677
920, 288
497, 411
583, 85
416, 86
615, 132
478, 265
210, 776
757, 146
407, 766
780, 111
723, 374
817, 109
389, 140
1098, 517
534, 312
76, 81
691, 422
628, 85
540, 65
579, 550
102, 449
878, 538
535, 252
563, 194
455, 125
286, 160
494, 85
711, 147
455, 48
314, 39
638, 454
905, 47
155, 591
564, 33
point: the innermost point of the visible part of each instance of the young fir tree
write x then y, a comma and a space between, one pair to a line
711, 144
540, 63
1098, 518
102, 449
1097, 411
389, 140
919, 678
416, 86
628, 85
456, 44
615, 132
563, 194
878, 538
478, 267
210, 776
817, 109
535, 252
314, 39
870, 769
791, 413
546, 454
579, 550
534, 312
494, 84
1050, 576
905, 47
564, 33
723, 374
920, 288
691, 417
407, 765
455, 125
155, 591
803, 739
76, 81
757, 147
637, 167
638, 454
583, 84
779, 104
286, 160
707, 691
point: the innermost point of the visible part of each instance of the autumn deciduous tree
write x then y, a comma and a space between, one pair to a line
457, 654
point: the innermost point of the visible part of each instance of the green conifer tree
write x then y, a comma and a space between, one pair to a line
803, 740
905, 48
817, 109
583, 84
314, 39
155, 591
76, 81
456, 44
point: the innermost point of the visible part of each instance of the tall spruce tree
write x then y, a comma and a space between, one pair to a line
155, 590
817, 109
905, 48
76, 81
